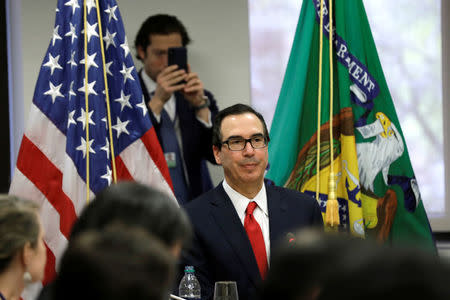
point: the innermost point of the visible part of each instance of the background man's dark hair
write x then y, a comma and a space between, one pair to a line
160, 24
117, 263
135, 204
237, 109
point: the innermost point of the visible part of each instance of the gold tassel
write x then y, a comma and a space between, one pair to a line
332, 213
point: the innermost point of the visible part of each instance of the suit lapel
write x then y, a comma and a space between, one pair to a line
144, 88
277, 207
227, 219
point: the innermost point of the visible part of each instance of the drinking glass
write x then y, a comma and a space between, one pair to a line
225, 290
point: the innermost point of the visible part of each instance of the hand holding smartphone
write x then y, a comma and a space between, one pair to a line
193, 87
178, 56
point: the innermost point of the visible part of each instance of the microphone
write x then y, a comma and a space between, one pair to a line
290, 237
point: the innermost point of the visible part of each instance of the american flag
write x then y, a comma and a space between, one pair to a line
52, 161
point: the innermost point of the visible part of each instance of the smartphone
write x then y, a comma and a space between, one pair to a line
178, 56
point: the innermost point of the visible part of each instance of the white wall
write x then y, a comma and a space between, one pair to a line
15, 84
443, 224
219, 51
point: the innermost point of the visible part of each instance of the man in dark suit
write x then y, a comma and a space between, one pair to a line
180, 109
237, 224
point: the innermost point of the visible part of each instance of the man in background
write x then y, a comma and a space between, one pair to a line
180, 108
237, 224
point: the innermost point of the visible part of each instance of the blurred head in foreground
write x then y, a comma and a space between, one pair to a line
119, 262
135, 204
321, 266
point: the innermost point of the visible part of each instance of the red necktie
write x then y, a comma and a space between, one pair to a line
256, 238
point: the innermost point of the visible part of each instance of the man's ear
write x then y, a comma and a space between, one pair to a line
141, 52
216, 151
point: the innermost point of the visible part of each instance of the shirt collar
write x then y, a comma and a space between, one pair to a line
149, 83
240, 202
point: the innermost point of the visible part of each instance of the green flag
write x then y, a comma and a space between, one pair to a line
377, 191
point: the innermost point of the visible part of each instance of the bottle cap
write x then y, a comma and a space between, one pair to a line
189, 269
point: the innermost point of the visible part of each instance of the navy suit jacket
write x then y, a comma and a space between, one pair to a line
221, 250
196, 140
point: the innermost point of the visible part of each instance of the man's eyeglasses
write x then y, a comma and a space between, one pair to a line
239, 143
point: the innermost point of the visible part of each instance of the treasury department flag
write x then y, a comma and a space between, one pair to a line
377, 192
74, 148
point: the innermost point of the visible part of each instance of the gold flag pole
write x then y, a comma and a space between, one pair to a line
332, 212
319, 100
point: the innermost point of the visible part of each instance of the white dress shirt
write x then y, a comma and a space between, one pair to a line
261, 212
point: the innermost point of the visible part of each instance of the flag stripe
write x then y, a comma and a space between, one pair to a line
48, 179
54, 239
74, 186
144, 170
45, 135
31, 291
122, 171
50, 267
150, 139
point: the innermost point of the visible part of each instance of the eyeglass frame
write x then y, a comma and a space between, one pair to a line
266, 140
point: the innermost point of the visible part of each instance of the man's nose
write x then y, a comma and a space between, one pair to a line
248, 148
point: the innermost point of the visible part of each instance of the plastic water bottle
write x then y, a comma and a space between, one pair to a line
189, 286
